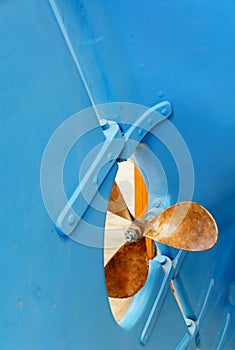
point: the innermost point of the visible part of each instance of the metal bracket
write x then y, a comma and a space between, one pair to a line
115, 146
143, 125
194, 325
156, 307
171, 268
106, 154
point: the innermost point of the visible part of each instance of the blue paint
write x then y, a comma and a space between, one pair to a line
52, 293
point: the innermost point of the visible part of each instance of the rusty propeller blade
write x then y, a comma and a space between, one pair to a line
185, 225
117, 204
127, 271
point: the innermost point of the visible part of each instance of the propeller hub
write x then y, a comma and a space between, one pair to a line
136, 230
134, 233
131, 236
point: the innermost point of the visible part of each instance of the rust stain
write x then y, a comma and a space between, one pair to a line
187, 226
127, 271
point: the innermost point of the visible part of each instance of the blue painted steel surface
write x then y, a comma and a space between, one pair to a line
52, 293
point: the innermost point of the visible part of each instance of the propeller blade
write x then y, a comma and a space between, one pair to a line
127, 271
117, 204
185, 225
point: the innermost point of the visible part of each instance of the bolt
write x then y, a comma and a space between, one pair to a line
157, 202
104, 124
130, 236
160, 93
110, 157
189, 322
164, 111
154, 211
150, 121
94, 180
71, 219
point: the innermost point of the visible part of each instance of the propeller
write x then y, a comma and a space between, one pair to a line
127, 271
184, 225
117, 204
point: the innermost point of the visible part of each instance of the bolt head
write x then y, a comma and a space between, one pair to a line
104, 124
94, 180
71, 219
130, 236
164, 111
160, 93
189, 323
110, 157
